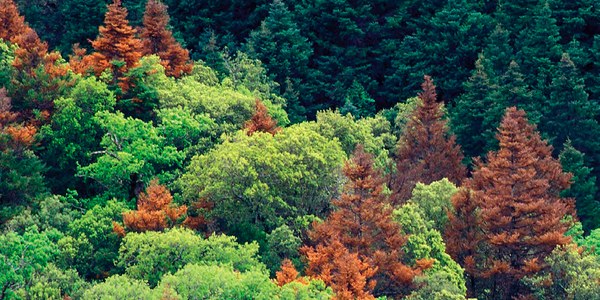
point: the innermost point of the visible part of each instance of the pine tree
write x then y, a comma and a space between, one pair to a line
261, 121
280, 45
570, 115
426, 151
158, 39
471, 110
154, 210
517, 193
116, 46
362, 229
583, 189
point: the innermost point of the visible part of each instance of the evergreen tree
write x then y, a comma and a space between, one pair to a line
539, 47
358, 103
426, 151
471, 110
280, 45
517, 194
583, 189
116, 46
569, 113
362, 228
159, 40
12, 24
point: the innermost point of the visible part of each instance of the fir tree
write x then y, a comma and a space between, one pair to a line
426, 151
361, 228
520, 210
583, 189
159, 40
116, 46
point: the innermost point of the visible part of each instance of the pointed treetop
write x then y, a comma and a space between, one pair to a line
262, 121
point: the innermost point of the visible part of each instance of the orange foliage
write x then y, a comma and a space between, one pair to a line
426, 151
359, 247
196, 218
154, 210
118, 229
513, 216
12, 24
287, 274
261, 121
116, 42
157, 39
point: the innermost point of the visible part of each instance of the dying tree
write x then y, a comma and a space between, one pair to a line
519, 211
158, 39
261, 121
426, 151
154, 210
361, 229
117, 48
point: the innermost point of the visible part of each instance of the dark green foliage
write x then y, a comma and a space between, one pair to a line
280, 45
583, 188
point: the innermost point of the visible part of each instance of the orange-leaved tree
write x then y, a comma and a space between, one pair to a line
261, 121
154, 210
358, 248
426, 151
117, 48
12, 24
519, 211
158, 39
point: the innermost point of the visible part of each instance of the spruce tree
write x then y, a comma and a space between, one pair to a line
583, 189
519, 210
117, 47
362, 225
426, 151
158, 39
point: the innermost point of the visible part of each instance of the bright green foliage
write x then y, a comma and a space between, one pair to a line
188, 132
571, 275
219, 282
280, 45
262, 181
91, 246
150, 255
133, 153
145, 79
7, 56
434, 202
229, 107
281, 243
426, 242
315, 289
437, 286
350, 132
583, 188
592, 242
21, 256
54, 283
121, 287
73, 134
358, 103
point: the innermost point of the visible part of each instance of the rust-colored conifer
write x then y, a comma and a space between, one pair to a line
362, 229
116, 42
520, 212
159, 40
288, 273
12, 24
154, 210
426, 151
261, 121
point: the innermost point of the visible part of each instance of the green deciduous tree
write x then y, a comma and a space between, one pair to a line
262, 181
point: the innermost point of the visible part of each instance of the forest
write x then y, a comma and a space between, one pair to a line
339, 149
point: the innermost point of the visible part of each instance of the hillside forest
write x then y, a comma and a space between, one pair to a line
279, 149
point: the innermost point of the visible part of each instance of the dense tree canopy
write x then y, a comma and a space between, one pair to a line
179, 149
